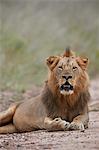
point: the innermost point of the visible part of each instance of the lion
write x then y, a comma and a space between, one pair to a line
62, 104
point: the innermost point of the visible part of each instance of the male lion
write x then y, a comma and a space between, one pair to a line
63, 103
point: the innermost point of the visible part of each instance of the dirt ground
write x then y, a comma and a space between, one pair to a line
42, 140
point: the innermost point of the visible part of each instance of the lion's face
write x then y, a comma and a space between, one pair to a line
67, 71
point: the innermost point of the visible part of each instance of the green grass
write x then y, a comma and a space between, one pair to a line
19, 68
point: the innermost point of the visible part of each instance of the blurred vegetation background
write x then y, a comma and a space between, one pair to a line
31, 30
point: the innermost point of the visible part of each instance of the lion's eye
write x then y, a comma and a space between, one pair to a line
60, 67
74, 68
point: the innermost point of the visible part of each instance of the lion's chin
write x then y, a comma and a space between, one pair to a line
64, 92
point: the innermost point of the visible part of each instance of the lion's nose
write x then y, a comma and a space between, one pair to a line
67, 77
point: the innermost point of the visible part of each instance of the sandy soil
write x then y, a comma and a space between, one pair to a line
42, 140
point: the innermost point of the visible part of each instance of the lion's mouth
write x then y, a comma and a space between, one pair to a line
66, 88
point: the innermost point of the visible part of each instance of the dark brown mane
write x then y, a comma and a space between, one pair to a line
67, 107
68, 53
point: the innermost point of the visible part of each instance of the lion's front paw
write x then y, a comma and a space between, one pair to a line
61, 123
67, 125
77, 126
57, 124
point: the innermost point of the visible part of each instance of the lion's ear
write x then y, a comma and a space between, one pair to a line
52, 61
82, 62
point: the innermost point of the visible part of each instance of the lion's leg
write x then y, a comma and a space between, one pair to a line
80, 122
56, 124
7, 115
10, 128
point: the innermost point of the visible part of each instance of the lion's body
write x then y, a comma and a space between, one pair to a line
32, 114
50, 110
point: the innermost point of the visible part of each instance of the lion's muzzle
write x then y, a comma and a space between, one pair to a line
66, 88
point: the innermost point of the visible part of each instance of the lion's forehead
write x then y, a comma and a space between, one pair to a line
67, 61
